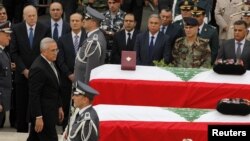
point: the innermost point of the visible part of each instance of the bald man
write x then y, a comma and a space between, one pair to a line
26, 37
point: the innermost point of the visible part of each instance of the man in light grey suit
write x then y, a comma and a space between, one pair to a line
237, 48
92, 52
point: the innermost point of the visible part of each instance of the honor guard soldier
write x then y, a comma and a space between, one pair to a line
84, 123
191, 51
92, 53
5, 70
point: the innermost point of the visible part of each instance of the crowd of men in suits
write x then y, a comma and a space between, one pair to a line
71, 49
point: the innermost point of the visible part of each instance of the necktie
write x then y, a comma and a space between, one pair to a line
129, 41
238, 50
55, 32
54, 69
76, 43
77, 115
31, 36
151, 46
163, 29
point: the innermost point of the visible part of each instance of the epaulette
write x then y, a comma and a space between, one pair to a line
204, 40
180, 39
178, 22
210, 26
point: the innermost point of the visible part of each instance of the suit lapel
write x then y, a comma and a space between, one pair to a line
51, 71
26, 36
123, 40
245, 50
157, 42
36, 35
146, 42
70, 41
134, 37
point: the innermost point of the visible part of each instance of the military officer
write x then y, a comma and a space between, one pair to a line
246, 18
92, 52
5, 70
186, 7
206, 31
207, 4
244, 14
191, 51
223, 11
84, 123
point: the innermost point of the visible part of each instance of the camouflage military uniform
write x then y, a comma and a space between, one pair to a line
113, 25
99, 5
194, 56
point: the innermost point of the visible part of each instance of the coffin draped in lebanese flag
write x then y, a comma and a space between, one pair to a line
166, 87
148, 123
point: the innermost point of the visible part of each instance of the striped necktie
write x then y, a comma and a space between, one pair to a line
76, 43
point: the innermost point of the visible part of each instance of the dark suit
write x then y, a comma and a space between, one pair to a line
66, 62
77, 122
24, 55
174, 32
163, 4
69, 7
209, 32
161, 50
65, 27
135, 7
227, 51
120, 44
44, 100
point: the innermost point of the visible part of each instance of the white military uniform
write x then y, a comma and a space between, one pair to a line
223, 10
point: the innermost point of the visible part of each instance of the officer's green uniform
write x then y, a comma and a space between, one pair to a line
191, 56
